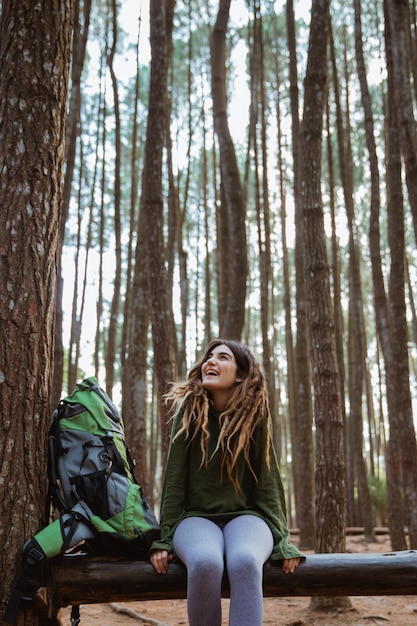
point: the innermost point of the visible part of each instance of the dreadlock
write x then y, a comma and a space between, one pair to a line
246, 408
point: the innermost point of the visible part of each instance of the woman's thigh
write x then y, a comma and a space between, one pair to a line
248, 536
197, 538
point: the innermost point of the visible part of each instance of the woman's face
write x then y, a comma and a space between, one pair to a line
219, 374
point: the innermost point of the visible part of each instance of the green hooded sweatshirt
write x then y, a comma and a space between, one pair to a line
193, 489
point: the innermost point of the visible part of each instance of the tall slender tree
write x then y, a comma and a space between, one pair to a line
397, 18
330, 467
232, 204
135, 335
111, 346
356, 334
162, 321
79, 44
303, 415
402, 431
135, 388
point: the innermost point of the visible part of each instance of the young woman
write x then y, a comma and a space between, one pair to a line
222, 499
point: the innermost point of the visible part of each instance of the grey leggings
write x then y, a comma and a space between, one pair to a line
243, 544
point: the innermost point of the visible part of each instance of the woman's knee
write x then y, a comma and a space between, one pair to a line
205, 567
244, 563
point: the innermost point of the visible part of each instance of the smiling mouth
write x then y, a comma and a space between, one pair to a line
211, 373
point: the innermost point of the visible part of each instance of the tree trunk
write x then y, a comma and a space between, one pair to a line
397, 20
330, 468
357, 342
207, 238
117, 281
232, 197
105, 579
161, 309
337, 311
128, 317
304, 472
401, 135
98, 339
79, 44
401, 415
135, 342
394, 508
35, 50
75, 330
135, 388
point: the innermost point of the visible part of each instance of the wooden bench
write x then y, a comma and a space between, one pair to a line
90, 580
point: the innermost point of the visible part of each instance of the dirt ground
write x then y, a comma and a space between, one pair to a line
365, 611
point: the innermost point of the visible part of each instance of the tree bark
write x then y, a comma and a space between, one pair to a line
110, 353
400, 137
397, 20
232, 197
356, 335
161, 309
382, 318
401, 414
135, 388
98, 580
35, 46
79, 44
303, 415
135, 337
330, 467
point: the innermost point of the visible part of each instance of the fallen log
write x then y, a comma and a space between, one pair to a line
91, 580
354, 530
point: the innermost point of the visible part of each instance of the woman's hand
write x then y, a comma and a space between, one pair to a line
289, 565
160, 560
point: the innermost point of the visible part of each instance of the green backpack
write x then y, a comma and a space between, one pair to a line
93, 487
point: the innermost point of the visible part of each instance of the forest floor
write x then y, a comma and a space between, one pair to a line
289, 611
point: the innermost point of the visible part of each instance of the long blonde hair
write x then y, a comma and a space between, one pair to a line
247, 407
